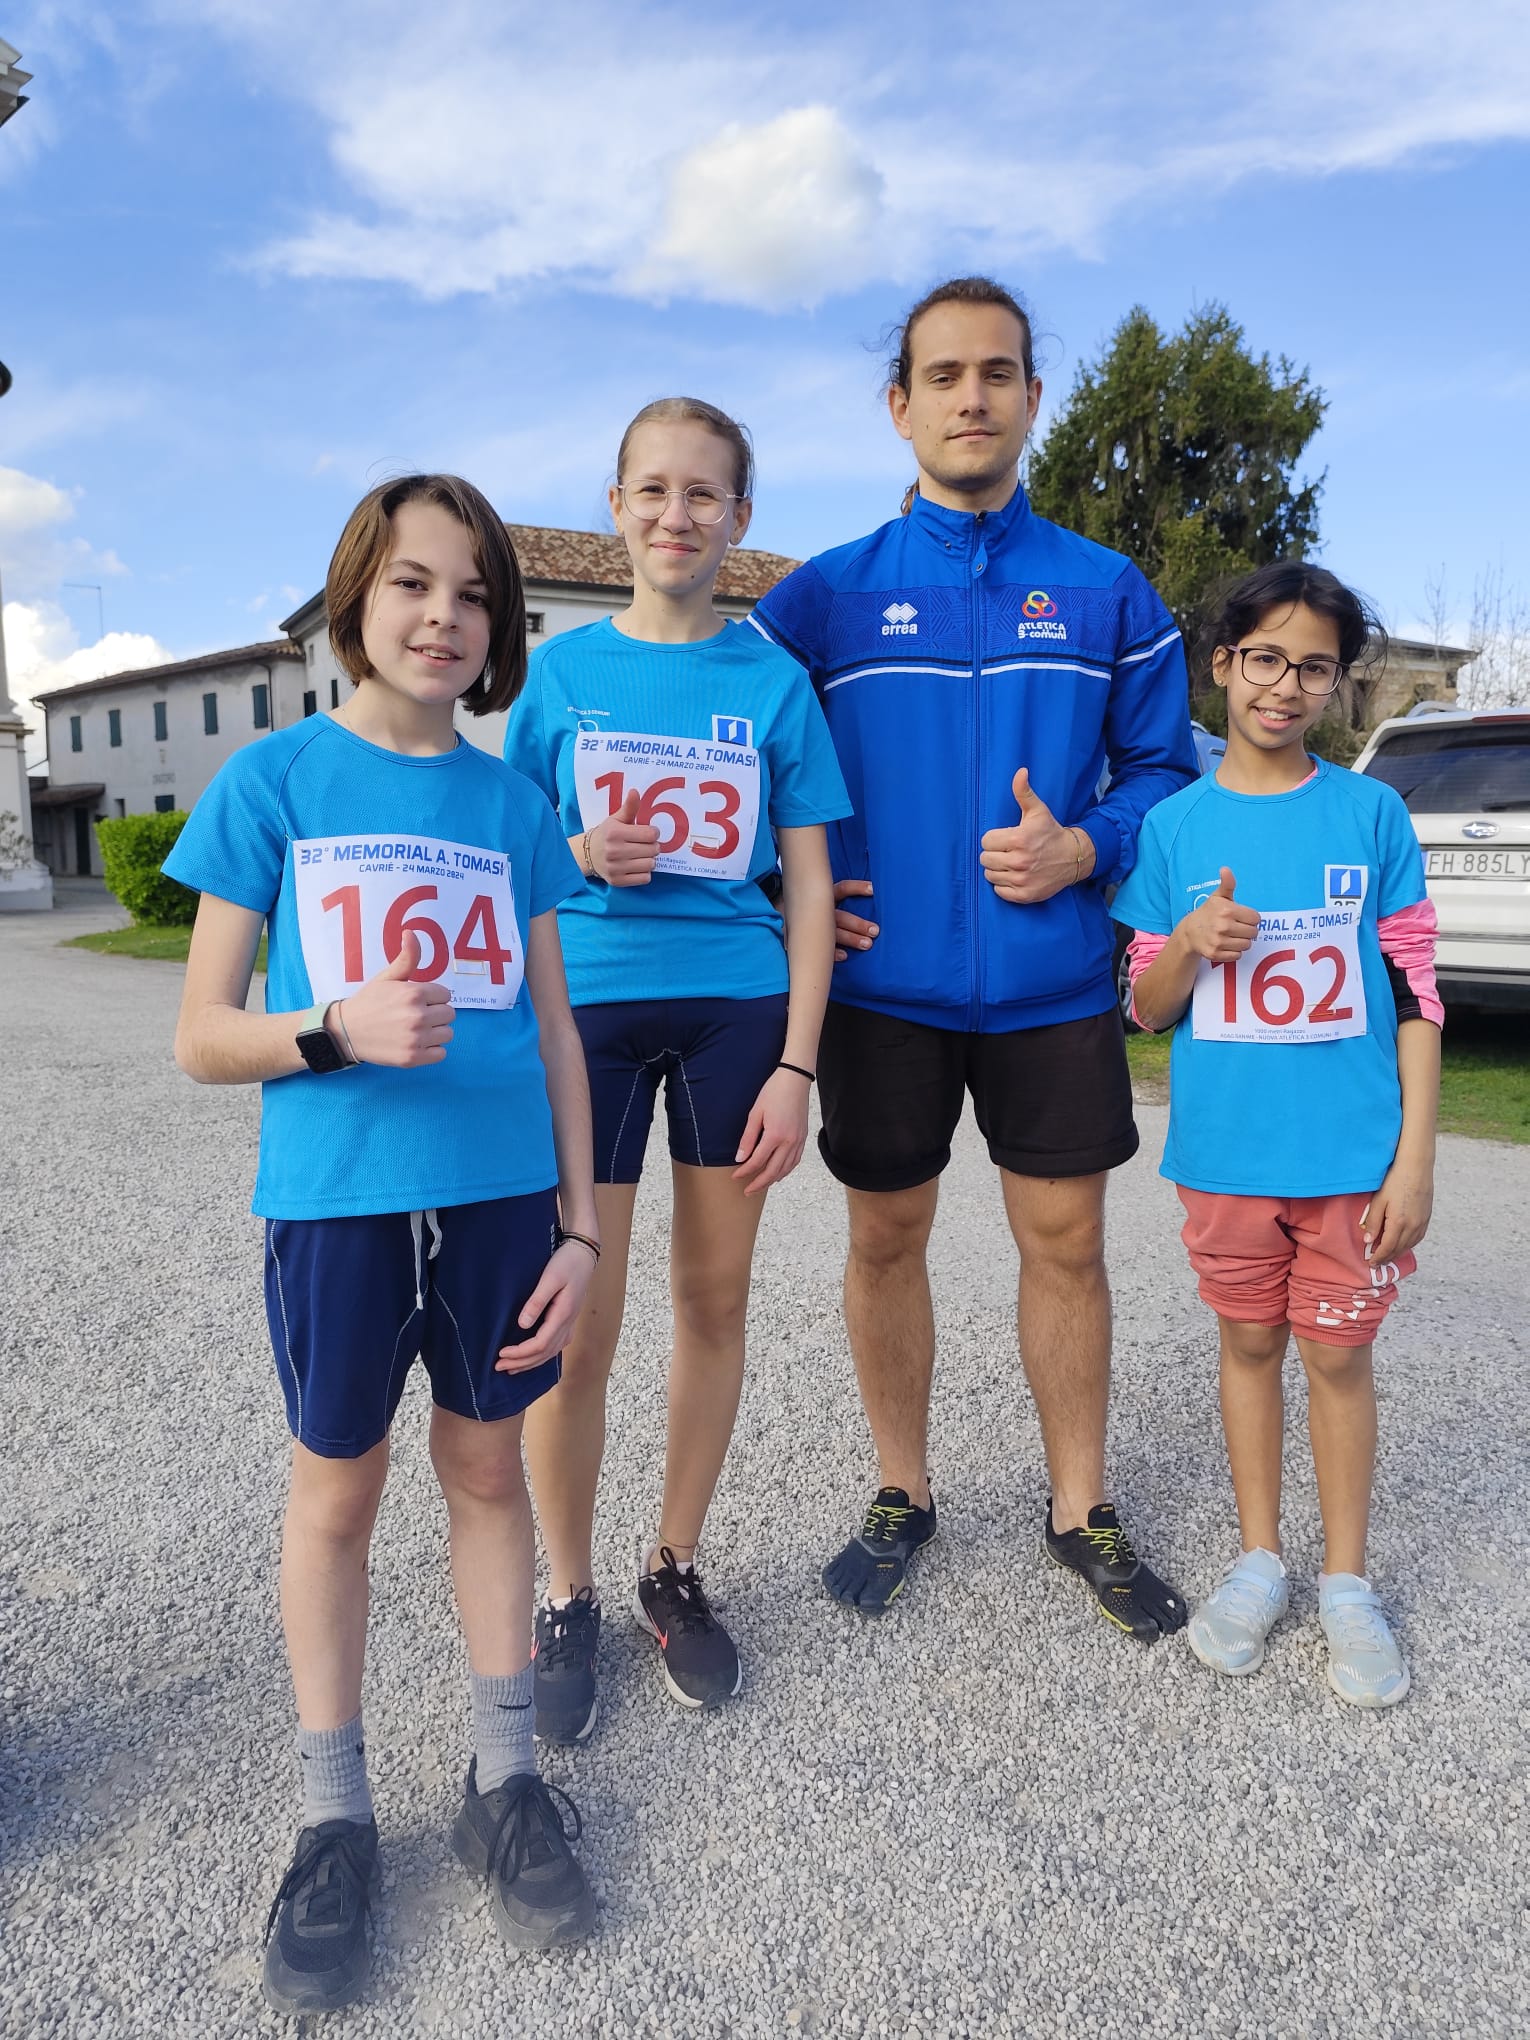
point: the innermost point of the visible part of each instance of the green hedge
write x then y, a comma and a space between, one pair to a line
133, 847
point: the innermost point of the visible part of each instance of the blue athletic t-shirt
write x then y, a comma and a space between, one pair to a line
342, 845
1283, 1073
723, 740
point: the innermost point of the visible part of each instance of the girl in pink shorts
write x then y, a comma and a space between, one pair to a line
1284, 934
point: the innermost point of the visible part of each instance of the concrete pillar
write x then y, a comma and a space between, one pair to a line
25, 885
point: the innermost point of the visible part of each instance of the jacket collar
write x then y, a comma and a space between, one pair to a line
954, 530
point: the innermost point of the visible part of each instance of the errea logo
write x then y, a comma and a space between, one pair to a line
900, 620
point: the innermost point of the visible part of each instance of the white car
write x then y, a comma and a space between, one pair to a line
1465, 776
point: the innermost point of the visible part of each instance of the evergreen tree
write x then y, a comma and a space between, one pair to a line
1179, 451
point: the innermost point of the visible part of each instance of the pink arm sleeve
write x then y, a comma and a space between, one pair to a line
1407, 942
1140, 952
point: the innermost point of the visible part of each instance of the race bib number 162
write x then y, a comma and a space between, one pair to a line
1299, 980
359, 896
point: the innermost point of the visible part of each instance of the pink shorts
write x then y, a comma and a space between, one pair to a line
1296, 1260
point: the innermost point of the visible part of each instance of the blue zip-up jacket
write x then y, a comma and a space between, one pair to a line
950, 648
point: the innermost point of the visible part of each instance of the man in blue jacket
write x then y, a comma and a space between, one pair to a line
980, 668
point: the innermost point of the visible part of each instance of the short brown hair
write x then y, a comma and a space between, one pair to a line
362, 554
696, 411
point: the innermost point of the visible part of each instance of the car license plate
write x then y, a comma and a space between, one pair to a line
1477, 864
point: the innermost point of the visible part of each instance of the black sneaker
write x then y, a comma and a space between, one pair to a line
701, 1667
563, 1659
516, 1840
317, 1955
869, 1573
1131, 1596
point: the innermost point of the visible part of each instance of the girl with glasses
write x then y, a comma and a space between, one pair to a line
1285, 936
684, 754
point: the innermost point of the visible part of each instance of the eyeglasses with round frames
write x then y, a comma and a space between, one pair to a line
1265, 667
703, 505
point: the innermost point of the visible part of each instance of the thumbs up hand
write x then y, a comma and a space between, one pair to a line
393, 1020
406, 963
1219, 928
622, 851
1038, 856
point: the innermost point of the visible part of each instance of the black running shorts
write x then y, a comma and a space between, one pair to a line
1050, 1101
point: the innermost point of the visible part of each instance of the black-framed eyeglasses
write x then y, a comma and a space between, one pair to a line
703, 503
1266, 667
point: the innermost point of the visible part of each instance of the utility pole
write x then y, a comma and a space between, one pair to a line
25, 885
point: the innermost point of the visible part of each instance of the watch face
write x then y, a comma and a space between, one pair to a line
319, 1052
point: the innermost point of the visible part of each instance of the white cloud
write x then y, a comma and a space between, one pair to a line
40, 643
675, 152
36, 555
43, 651
28, 506
783, 212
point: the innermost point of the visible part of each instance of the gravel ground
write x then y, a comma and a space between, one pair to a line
989, 1814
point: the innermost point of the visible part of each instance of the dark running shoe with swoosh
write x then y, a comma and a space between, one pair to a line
317, 1955
563, 1662
516, 1839
701, 1664
1127, 1593
869, 1573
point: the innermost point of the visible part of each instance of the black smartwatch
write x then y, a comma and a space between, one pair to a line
322, 1053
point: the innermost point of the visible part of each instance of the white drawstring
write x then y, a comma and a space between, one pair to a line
418, 1220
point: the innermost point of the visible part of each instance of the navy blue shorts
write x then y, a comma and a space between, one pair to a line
353, 1302
713, 1056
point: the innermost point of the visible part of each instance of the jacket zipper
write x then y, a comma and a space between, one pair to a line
979, 558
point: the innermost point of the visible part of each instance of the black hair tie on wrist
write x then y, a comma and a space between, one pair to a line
797, 1071
580, 1239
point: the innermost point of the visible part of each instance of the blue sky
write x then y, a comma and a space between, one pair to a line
258, 253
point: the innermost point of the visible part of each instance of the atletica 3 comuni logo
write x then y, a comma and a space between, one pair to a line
1038, 617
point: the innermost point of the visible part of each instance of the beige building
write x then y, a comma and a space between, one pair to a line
1415, 671
131, 743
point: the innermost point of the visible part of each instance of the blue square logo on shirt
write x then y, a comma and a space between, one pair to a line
733, 729
1344, 884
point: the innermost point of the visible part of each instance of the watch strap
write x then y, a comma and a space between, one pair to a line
314, 1030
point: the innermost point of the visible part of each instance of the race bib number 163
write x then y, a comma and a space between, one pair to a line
1299, 980
358, 896
703, 797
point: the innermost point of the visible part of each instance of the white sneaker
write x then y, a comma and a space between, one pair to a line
1228, 1630
1365, 1666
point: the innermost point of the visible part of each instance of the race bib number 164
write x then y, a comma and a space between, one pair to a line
358, 897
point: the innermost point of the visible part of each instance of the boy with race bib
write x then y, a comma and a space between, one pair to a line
1284, 933
424, 1143
682, 753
